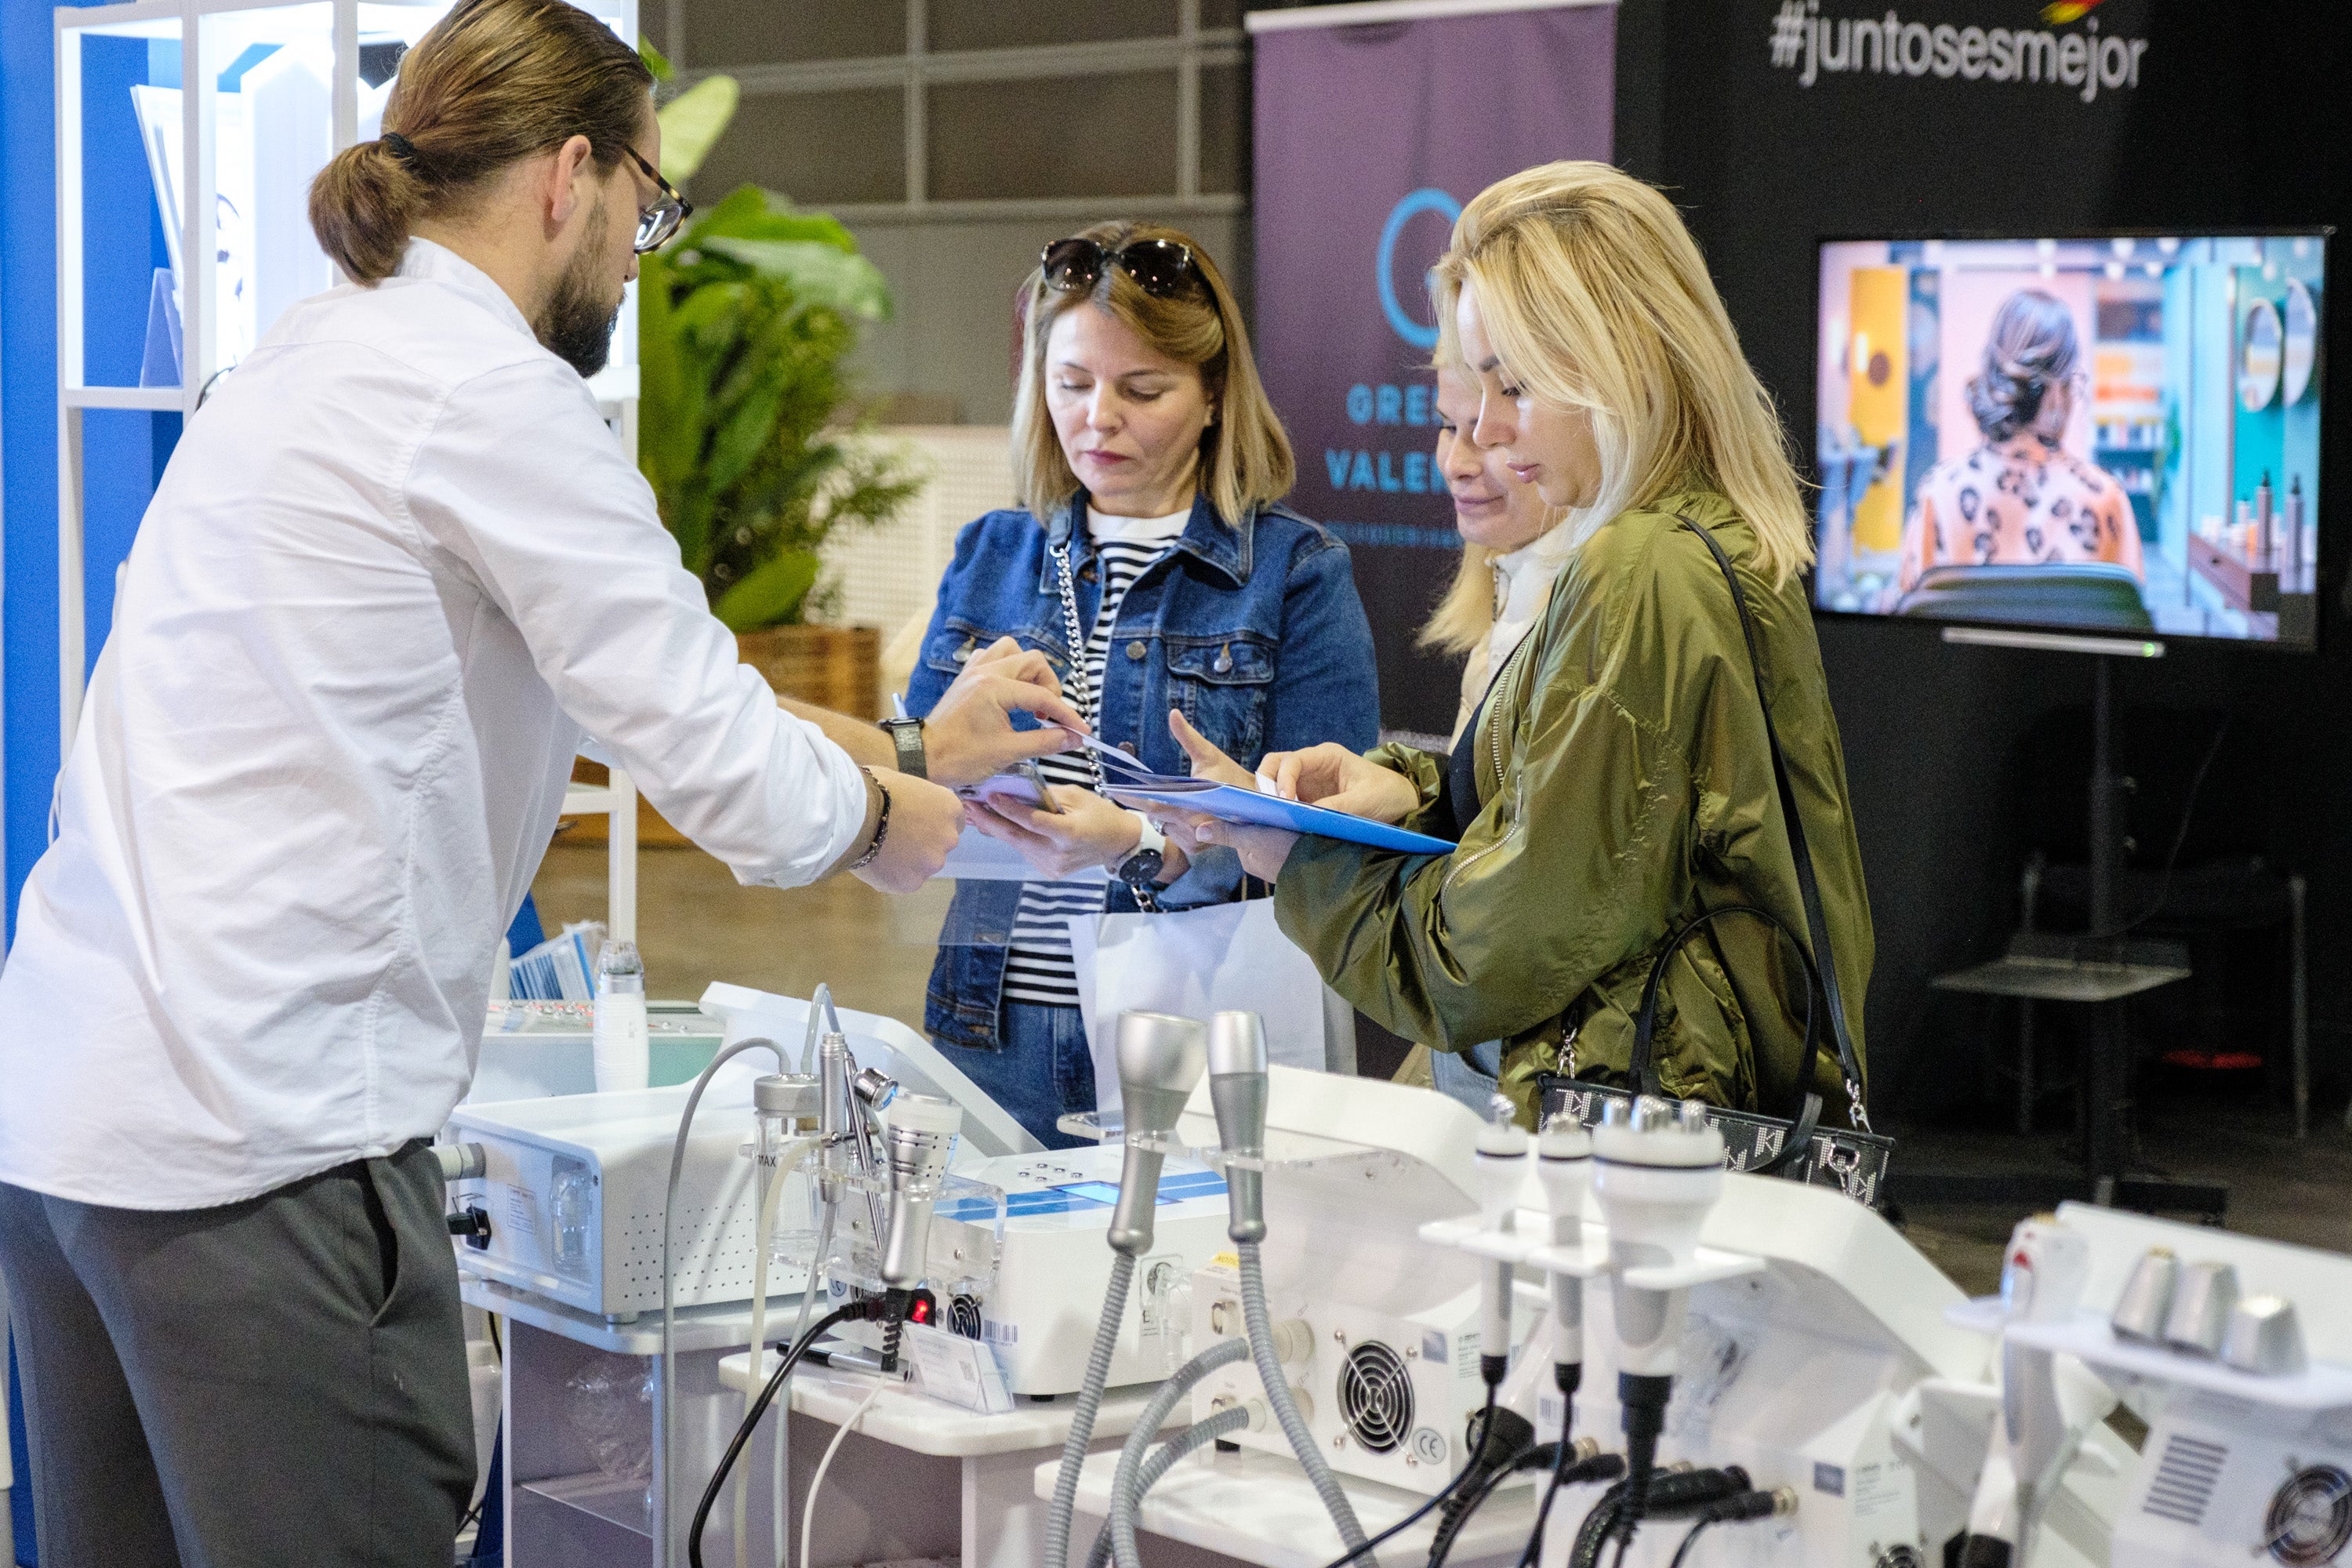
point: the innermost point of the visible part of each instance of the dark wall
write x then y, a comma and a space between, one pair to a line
2240, 118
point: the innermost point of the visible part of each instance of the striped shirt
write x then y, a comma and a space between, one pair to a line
1037, 965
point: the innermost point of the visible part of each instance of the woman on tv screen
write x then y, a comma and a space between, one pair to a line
2020, 499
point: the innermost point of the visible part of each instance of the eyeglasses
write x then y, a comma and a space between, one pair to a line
656, 223
1159, 267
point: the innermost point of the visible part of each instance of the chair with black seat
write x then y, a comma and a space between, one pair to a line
2088, 596
2225, 893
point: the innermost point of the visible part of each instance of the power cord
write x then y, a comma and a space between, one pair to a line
855, 1309
1567, 1376
808, 1508
1417, 1515
1591, 1467
1673, 1494
1746, 1505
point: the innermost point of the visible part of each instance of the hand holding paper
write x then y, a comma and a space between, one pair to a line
1222, 804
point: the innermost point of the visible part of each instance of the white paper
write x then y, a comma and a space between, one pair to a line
1195, 962
977, 858
956, 1370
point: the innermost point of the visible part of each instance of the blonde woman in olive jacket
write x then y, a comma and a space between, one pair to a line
1619, 779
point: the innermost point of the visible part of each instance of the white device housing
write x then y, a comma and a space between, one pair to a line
1054, 1264
573, 1185
1354, 1166
2238, 1468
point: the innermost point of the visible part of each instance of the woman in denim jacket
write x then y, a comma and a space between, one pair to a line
1178, 603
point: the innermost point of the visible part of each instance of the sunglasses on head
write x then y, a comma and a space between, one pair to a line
1159, 267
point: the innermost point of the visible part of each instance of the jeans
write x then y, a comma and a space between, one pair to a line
1463, 1075
1041, 1071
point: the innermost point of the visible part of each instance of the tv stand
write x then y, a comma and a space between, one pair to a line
2098, 969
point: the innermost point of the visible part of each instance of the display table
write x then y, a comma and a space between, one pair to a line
910, 1442
1257, 1508
565, 1505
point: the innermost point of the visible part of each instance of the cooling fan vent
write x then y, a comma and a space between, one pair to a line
2310, 1517
962, 1316
1376, 1396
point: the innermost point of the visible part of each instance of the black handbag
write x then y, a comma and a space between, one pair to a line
1798, 1148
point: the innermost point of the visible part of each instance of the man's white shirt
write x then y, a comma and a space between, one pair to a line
395, 567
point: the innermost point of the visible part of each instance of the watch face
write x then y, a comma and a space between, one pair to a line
1143, 866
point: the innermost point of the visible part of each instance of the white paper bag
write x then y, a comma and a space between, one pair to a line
1195, 962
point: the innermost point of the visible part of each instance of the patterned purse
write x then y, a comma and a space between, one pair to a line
1798, 1148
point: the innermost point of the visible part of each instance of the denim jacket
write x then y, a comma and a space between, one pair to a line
1255, 632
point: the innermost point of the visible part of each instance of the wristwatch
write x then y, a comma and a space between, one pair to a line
907, 734
1141, 870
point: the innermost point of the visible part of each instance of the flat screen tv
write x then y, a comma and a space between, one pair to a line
2105, 435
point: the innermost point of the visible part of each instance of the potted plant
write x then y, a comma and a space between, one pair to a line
743, 324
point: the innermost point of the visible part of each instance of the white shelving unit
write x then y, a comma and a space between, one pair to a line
215, 37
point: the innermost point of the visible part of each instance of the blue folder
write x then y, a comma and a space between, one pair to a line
1228, 804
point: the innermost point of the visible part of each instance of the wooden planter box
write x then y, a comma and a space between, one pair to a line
838, 668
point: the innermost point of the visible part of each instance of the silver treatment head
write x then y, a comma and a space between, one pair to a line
2264, 1338
1236, 1044
1160, 1059
918, 1137
2146, 1301
1237, 1089
2202, 1304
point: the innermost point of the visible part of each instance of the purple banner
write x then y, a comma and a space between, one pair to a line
1369, 138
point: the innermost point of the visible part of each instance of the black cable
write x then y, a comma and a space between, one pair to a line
751, 1420
1505, 1439
1417, 1515
1599, 1467
1624, 1543
1683, 1551
1567, 1376
2180, 837
1459, 1519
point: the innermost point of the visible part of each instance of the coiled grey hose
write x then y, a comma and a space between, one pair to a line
1286, 1410
1082, 1419
1120, 1526
1193, 1438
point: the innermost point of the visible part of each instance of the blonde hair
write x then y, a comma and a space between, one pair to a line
1595, 295
491, 82
1246, 458
1467, 614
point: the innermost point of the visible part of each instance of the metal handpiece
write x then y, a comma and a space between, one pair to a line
915, 1140
1237, 1089
1161, 1057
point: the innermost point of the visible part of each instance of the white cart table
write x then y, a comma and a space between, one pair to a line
909, 1442
1254, 1508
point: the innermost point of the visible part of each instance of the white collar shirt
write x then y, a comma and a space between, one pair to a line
396, 568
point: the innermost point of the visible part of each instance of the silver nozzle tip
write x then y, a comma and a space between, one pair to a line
1236, 1044
1160, 1051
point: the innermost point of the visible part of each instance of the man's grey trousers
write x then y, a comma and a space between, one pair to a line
270, 1384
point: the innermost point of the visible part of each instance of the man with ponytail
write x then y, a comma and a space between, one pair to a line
396, 568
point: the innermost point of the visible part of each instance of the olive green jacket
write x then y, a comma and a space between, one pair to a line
1625, 783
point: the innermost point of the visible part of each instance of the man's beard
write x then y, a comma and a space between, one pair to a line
577, 325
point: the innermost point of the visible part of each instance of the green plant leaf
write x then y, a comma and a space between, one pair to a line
655, 61
750, 425
692, 123
771, 594
819, 274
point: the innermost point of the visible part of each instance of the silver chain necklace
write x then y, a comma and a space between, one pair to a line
1084, 699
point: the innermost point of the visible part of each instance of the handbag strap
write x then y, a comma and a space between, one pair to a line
1820, 957
1643, 1067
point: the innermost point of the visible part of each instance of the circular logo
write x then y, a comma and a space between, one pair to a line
1428, 1446
1428, 199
